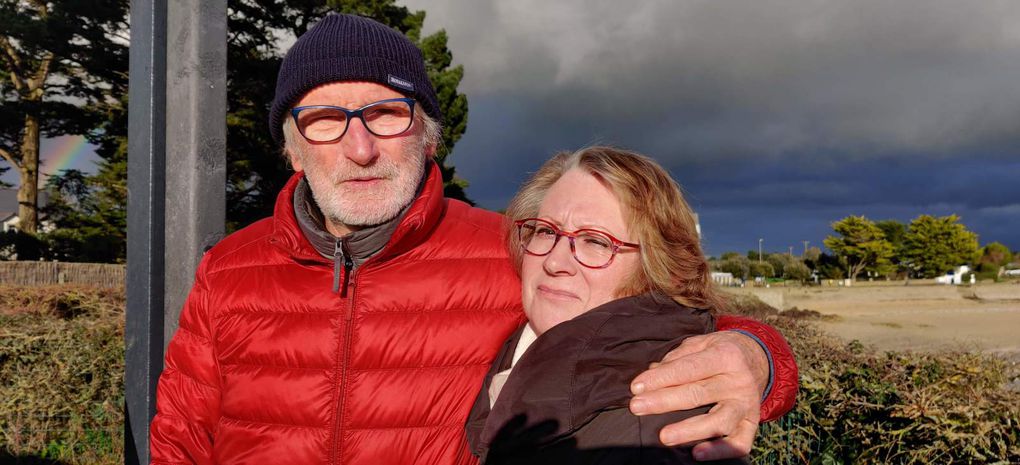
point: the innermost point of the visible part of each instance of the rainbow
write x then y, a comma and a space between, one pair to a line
63, 152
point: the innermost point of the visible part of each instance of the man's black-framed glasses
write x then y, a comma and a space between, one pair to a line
328, 123
590, 247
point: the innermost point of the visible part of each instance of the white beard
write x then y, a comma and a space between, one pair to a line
360, 207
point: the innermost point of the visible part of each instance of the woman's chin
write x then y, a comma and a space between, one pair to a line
546, 314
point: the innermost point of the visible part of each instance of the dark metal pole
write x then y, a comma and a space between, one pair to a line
197, 131
146, 169
176, 207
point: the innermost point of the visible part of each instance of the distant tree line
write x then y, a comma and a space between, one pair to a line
927, 247
64, 71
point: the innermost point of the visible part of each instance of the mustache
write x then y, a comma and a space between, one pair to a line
382, 167
381, 170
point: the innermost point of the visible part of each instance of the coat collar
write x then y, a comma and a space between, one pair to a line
577, 369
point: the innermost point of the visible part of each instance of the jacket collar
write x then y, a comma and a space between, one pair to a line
577, 369
361, 244
417, 222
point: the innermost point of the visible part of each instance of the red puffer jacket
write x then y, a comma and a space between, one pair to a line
270, 366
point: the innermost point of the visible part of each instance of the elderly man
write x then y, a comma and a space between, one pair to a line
355, 325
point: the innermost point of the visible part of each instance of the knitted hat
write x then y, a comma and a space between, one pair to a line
350, 48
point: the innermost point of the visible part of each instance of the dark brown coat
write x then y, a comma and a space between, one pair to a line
567, 399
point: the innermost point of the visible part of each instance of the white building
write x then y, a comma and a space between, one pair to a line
723, 279
9, 208
955, 276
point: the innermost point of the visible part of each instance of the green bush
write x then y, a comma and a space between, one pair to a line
62, 374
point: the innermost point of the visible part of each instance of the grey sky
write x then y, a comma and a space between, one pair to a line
890, 109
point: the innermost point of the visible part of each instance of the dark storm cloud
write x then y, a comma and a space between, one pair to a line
859, 75
775, 115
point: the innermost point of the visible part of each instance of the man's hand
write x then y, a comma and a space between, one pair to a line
726, 368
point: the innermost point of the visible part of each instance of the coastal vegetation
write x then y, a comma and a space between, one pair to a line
928, 247
62, 399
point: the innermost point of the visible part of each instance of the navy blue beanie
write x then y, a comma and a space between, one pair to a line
350, 48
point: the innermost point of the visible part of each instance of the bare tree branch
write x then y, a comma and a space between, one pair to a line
17, 74
9, 157
35, 85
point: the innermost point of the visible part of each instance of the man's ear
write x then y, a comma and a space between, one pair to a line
430, 150
295, 161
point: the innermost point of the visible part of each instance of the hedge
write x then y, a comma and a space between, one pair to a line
62, 400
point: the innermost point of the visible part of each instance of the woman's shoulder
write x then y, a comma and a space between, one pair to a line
584, 366
607, 332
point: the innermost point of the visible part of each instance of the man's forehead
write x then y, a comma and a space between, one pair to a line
346, 93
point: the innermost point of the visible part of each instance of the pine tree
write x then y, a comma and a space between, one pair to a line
89, 212
860, 245
57, 60
934, 245
256, 170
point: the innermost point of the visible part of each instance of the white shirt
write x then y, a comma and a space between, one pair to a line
528, 336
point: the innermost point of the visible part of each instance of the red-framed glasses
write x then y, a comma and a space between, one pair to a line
590, 247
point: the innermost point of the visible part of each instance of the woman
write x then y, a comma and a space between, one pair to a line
612, 277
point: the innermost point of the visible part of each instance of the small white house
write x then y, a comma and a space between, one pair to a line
8, 221
954, 276
9, 209
723, 279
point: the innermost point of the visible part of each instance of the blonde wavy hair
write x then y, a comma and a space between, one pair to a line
657, 215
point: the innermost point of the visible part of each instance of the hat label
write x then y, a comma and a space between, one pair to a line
397, 82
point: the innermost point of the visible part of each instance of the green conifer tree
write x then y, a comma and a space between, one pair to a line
860, 245
935, 245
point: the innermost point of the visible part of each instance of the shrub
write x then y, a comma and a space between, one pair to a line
62, 365
762, 269
62, 374
856, 405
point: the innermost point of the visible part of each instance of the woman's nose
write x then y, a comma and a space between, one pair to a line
560, 260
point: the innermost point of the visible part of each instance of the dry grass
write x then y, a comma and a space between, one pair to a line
62, 374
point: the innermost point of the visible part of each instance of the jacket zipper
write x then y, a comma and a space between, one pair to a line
348, 281
342, 254
348, 270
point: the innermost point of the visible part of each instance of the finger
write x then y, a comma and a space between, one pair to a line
684, 370
705, 356
718, 341
733, 446
722, 420
687, 396
689, 346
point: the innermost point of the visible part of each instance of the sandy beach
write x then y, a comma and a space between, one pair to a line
919, 316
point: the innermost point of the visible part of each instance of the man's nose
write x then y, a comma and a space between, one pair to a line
560, 260
359, 144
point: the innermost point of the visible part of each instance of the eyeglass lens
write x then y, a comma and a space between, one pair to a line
381, 119
591, 248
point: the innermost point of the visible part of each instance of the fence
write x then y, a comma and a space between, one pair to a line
50, 273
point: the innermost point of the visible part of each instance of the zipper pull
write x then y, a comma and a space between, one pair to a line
348, 267
337, 257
